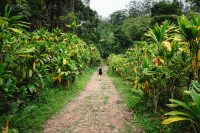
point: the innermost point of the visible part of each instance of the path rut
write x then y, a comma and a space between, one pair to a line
98, 109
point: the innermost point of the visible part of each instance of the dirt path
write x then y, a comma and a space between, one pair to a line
98, 109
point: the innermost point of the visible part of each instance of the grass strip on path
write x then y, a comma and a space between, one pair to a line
34, 116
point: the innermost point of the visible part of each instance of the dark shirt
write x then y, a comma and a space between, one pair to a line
100, 70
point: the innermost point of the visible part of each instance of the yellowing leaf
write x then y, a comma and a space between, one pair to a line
167, 45
68, 83
199, 55
59, 79
198, 39
135, 69
34, 65
24, 74
59, 70
15, 30
162, 60
173, 119
64, 61
177, 38
30, 73
37, 37
147, 87
181, 49
184, 43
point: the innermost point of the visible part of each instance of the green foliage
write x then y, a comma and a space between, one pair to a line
139, 8
161, 18
134, 28
161, 67
11, 23
166, 10
190, 32
195, 5
52, 14
118, 17
73, 26
116, 38
112, 39
133, 99
160, 34
187, 110
33, 117
33, 61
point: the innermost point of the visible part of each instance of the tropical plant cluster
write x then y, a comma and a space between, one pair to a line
34, 61
124, 27
166, 67
51, 14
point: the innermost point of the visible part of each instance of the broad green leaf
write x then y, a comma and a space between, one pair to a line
3, 22
172, 105
1, 81
196, 98
31, 88
182, 104
1, 69
24, 74
15, 18
147, 72
27, 50
175, 113
196, 85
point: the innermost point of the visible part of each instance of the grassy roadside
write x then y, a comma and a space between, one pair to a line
33, 117
149, 122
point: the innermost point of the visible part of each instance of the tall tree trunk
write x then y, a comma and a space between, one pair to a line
52, 14
72, 6
1, 47
197, 64
155, 99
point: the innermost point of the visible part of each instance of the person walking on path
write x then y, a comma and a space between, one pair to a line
100, 72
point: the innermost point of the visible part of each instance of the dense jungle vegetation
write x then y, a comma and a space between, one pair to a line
161, 62
154, 45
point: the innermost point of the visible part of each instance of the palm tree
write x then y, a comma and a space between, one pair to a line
190, 30
159, 35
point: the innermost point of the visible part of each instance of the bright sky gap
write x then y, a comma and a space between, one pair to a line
107, 7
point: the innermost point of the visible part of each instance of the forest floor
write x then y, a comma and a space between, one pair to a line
98, 109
